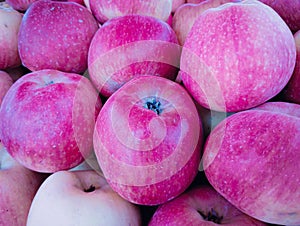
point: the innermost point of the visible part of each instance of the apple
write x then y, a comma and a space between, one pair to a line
195, 1
201, 205
148, 139
132, 45
10, 21
56, 35
80, 198
185, 16
17, 188
288, 10
5, 83
231, 60
48, 118
252, 159
291, 92
105, 10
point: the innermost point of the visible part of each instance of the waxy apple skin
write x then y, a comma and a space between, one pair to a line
5, 83
148, 140
129, 46
48, 118
105, 10
56, 35
10, 21
231, 60
17, 189
252, 158
80, 198
291, 92
194, 206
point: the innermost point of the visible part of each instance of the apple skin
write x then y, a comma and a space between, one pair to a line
176, 4
193, 206
48, 118
66, 195
132, 45
5, 83
56, 35
105, 10
10, 21
18, 187
250, 158
230, 59
291, 92
186, 15
288, 10
149, 156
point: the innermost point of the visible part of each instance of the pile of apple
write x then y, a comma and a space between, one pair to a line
154, 112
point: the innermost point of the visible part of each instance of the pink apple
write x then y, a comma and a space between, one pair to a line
288, 10
292, 90
56, 35
237, 56
47, 120
252, 159
185, 16
201, 205
147, 140
20, 5
132, 45
195, 1
105, 10
5, 83
80, 198
10, 21
17, 188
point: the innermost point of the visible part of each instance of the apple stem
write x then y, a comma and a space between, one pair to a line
154, 105
49, 83
212, 215
90, 189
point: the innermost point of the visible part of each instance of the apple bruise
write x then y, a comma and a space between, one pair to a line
153, 104
212, 215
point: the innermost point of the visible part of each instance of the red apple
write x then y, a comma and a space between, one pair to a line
185, 16
132, 45
80, 198
5, 83
195, 1
17, 188
291, 92
47, 120
203, 206
105, 10
288, 10
237, 56
20, 5
147, 140
10, 21
252, 159
56, 35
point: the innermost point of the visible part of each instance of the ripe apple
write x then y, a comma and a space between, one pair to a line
252, 159
56, 35
288, 10
17, 188
5, 83
148, 139
132, 45
185, 16
105, 10
291, 92
201, 205
10, 21
230, 59
48, 118
80, 198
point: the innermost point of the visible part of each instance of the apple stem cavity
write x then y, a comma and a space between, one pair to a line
154, 105
90, 189
49, 83
212, 215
